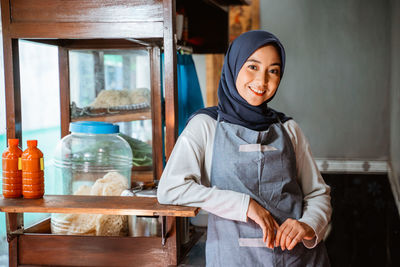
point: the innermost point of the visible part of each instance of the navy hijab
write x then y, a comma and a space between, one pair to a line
232, 107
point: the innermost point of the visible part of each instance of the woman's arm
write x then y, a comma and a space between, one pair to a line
317, 208
183, 183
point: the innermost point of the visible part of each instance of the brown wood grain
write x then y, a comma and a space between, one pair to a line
41, 227
86, 11
14, 221
106, 43
70, 30
170, 79
142, 176
42, 249
172, 241
11, 78
114, 205
63, 69
155, 73
214, 63
243, 19
126, 116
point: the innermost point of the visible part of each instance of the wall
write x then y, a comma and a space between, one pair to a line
336, 84
395, 100
200, 63
337, 80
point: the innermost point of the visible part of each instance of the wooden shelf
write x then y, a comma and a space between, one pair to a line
144, 114
95, 205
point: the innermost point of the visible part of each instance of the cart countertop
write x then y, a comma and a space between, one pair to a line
113, 205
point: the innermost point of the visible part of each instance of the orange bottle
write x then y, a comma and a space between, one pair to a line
32, 171
12, 175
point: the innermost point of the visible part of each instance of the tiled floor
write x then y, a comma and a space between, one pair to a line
365, 227
365, 222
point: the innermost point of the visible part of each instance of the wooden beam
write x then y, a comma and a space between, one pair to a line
63, 69
214, 63
243, 19
170, 79
62, 250
112, 205
156, 112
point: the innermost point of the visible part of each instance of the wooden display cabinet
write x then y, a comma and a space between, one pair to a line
102, 24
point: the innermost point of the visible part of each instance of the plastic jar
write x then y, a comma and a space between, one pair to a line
91, 151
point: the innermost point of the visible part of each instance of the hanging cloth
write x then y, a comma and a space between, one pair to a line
189, 92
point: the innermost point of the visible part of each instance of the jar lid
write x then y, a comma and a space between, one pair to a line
93, 127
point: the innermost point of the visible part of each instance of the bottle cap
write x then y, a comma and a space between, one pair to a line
93, 127
31, 143
13, 142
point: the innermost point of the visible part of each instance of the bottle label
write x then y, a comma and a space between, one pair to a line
41, 164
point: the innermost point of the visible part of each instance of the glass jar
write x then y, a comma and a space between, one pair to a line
92, 150
92, 160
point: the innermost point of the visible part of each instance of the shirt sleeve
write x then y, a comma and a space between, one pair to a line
181, 180
317, 208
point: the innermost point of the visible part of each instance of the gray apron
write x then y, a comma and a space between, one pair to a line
262, 165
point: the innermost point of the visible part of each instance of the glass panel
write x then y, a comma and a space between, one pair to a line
114, 85
109, 79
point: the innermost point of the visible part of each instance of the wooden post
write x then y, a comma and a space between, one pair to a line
13, 115
170, 80
63, 68
156, 112
214, 63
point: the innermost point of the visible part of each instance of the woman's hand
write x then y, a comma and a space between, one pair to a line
292, 232
265, 220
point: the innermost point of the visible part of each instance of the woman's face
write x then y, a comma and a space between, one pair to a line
260, 75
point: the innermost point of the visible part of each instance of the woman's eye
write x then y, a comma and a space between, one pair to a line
274, 71
252, 67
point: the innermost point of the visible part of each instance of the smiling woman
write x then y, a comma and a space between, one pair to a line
251, 168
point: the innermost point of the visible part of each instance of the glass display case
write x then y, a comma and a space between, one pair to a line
118, 85
114, 85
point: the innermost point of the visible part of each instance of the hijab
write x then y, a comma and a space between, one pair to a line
232, 107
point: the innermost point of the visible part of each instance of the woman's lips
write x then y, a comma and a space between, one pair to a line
257, 92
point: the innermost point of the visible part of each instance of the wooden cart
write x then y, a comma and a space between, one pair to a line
105, 24
37, 246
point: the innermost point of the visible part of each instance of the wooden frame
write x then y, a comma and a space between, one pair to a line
61, 23
69, 250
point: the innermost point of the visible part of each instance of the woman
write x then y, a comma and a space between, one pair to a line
251, 168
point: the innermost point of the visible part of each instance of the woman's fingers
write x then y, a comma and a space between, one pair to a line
291, 236
279, 234
295, 240
285, 233
264, 229
265, 220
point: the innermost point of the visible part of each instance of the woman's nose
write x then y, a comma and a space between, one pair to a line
262, 78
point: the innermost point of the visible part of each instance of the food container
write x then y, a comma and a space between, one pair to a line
144, 225
151, 225
92, 150
92, 160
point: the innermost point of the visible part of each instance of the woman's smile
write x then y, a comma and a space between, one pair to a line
257, 92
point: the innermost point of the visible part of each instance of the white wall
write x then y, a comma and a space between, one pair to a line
336, 84
200, 63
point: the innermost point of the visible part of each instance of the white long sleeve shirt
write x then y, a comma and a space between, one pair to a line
186, 178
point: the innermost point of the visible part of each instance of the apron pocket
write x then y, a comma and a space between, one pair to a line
271, 181
250, 234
